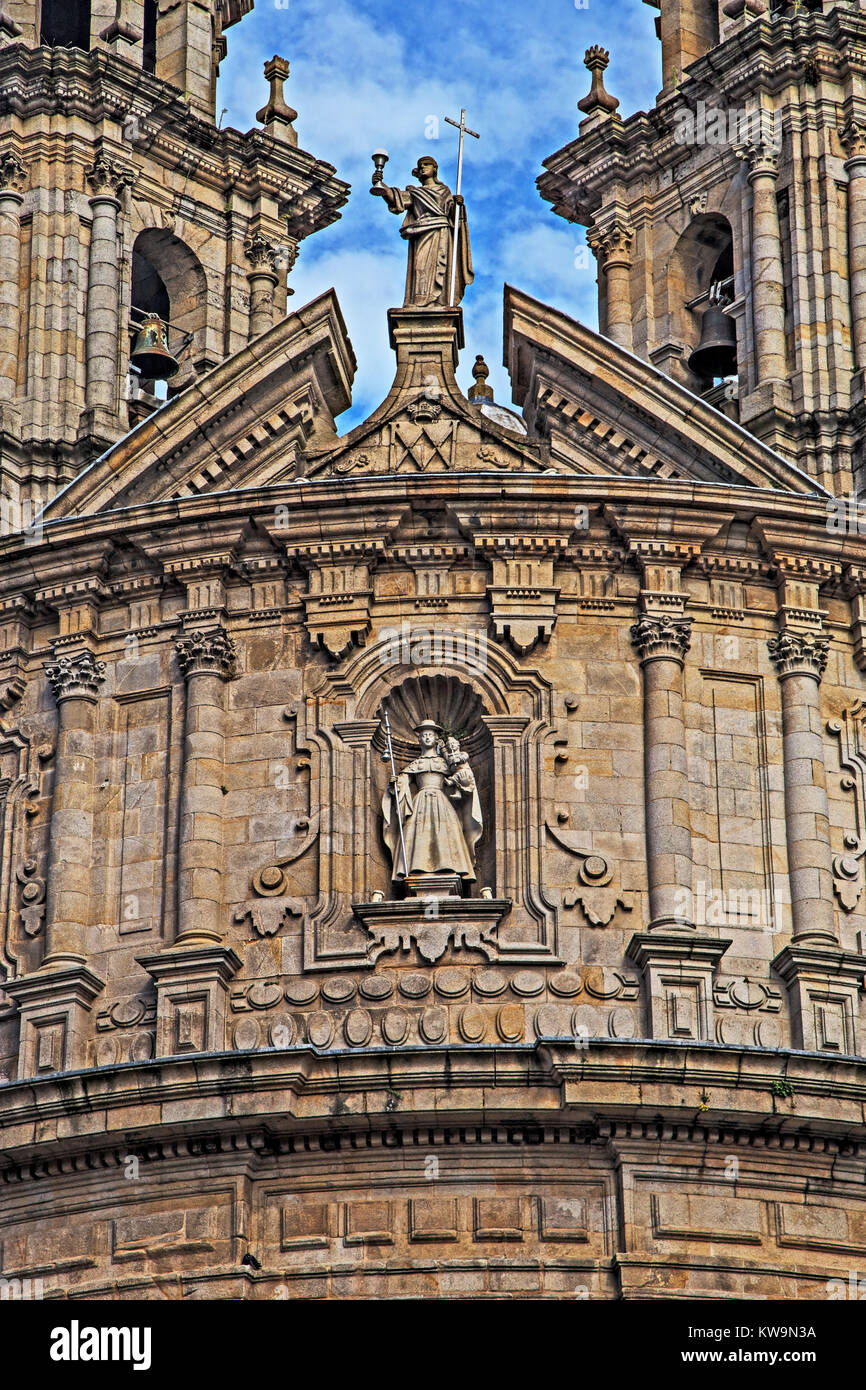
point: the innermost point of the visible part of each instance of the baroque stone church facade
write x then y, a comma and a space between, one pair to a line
569, 1001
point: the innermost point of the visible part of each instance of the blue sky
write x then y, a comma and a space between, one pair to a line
371, 74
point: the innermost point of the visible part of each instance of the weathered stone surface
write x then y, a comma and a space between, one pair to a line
624, 1059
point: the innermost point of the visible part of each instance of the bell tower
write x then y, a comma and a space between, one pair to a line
729, 222
130, 219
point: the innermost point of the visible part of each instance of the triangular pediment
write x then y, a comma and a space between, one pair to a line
251, 421
607, 412
425, 424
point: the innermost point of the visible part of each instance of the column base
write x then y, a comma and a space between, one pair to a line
54, 1001
678, 974
823, 983
100, 428
671, 924
768, 413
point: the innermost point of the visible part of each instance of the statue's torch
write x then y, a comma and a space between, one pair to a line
380, 159
385, 757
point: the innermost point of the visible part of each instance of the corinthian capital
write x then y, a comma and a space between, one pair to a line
108, 177
210, 651
799, 654
664, 637
261, 253
13, 175
761, 149
853, 137
77, 676
611, 241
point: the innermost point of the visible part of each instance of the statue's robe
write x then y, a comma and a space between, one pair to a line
435, 842
429, 229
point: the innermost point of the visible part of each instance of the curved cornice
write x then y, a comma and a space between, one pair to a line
603, 1083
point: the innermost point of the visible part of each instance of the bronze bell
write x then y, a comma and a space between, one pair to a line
150, 352
716, 353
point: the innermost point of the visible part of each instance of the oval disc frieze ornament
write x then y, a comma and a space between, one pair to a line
264, 996
473, 1024
566, 984
300, 991
320, 1029
377, 987
358, 1027
434, 1025
142, 1047
338, 991
414, 986
510, 1023
452, 983
106, 1052
489, 983
548, 1022
282, 1032
622, 1023
246, 1034
395, 1026
527, 982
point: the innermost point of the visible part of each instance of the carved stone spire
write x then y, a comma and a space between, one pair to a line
597, 99
480, 391
276, 115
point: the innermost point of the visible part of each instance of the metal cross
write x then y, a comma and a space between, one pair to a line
464, 130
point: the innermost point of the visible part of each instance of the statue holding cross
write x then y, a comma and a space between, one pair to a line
440, 260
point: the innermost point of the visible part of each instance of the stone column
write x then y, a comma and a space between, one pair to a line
55, 1002
768, 303
662, 641
76, 681
207, 659
853, 136
800, 658
12, 179
263, 256
610, 239
102, 324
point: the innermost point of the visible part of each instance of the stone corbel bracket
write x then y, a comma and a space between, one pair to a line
597, 893
430, 923
522, 595
847, 873
337, 602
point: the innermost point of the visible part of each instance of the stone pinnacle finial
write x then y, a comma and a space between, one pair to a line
597, 99
276, 115
480, 391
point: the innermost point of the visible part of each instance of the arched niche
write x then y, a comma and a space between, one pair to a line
459, 710
339, 731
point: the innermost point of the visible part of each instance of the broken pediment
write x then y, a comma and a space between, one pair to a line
248, 422
607, 412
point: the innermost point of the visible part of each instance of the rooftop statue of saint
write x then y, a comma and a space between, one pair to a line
429, 229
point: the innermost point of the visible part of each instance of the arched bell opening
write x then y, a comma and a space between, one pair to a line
65, 24
148, 38
167, 313
703, 275
458, 711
